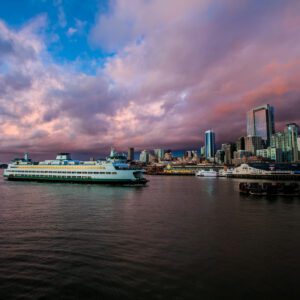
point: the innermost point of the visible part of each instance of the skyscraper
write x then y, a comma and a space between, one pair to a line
253, 143
210, 146
144, 156
240, 144
159, 153
260, 122
130, 155
291, 135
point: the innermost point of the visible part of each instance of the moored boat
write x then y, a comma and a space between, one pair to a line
269, 189
207, 173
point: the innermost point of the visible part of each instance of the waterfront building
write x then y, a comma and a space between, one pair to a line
191, 154
210, 145
130, 155
168, 155
220, 156
276, 154
260, 122
144, 157
253, 143
228, 153
241, 156
152, 158
240, 144
159, 153
264, 153
188, 154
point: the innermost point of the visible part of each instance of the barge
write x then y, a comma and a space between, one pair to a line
269, 189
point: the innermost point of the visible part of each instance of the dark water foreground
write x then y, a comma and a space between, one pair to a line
178, 238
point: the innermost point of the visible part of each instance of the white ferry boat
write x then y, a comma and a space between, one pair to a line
114, 170
209, 173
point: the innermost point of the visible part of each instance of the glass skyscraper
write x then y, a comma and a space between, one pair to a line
260, 122
291, 135
210, 146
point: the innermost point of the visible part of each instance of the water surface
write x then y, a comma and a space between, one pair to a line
177, 238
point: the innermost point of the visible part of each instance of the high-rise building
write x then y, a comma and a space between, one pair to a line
291, 135
287, 143
240, 143
130, 155
260, 122
144, 156
253, 143
210, 146
202, 151
220, 156
278, 141
159, 153
228, 153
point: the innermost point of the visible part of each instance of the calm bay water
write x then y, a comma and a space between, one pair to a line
177, 238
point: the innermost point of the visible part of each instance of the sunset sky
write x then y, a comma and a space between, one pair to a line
81, 76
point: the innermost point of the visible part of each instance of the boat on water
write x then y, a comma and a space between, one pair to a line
269, 189
207, 173
225, 173
113, 170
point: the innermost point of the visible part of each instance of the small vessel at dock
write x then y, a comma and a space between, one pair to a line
269, 189
207, 173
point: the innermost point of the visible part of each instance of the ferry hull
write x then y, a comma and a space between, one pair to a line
110, 181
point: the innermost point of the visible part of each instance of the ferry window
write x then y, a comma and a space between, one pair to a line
108, 172
102, 172
114, 172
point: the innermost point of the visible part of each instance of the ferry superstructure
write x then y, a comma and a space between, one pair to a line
114, 170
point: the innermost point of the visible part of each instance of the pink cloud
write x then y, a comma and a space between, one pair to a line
178, 70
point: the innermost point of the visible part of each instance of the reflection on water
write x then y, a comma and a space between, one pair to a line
179, 237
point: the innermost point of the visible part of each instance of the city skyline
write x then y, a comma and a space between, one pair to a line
83, 77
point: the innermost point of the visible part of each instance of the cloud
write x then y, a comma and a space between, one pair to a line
61, 16
178, 69
71, 31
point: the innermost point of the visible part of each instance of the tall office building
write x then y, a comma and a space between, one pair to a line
144, 156
130, 155
287, 143
202, 151
210, 146
260, 122
240, 143
253, 143
291, 135
228, 153
159, 153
